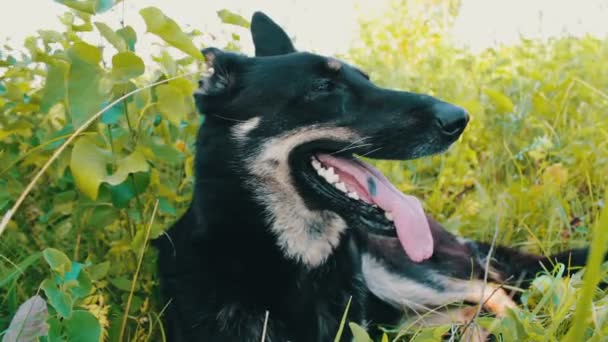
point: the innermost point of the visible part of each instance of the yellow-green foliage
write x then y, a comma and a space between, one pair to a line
533, 161
534, 158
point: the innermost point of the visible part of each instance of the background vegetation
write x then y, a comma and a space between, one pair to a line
532, 164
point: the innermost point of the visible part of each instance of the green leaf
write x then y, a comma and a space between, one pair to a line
105, 5
127, 65
55, 330
359, 334
60, 301
171, 103
83, 327
29, 322
129, 35
85, 94
501, 101
113, 114
99, 271
55, 85
232, 18
88, 166
83, 287
168, 30
89, 6
124, 192
58, 261
122, 283
166, 207
112, 37
133, 163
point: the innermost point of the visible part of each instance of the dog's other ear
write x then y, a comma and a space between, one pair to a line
221, 67
269, 38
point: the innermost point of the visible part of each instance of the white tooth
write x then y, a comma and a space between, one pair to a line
341, 186
316, 164
333, 178
353, 195
388, 216
330, 170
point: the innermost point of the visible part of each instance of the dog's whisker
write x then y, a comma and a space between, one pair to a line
349, 146
353, 147
229, 119
370, 152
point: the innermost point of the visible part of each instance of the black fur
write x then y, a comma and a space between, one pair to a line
222, 265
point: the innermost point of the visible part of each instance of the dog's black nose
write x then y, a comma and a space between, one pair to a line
451, 119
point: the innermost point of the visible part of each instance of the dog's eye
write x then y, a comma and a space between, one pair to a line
323, 85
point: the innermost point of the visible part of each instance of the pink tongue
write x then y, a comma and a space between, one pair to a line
410, 221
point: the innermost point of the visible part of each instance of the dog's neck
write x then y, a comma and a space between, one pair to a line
220, 192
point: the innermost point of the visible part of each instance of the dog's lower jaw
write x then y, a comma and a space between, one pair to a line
304, 235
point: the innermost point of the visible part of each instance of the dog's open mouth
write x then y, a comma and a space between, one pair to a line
364, 183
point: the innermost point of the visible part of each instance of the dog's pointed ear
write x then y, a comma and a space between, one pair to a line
269, 38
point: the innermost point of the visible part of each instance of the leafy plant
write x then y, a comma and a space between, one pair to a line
114, 131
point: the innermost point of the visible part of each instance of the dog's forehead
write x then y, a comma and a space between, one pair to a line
306, 61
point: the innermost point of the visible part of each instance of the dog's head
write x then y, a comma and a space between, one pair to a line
297, 120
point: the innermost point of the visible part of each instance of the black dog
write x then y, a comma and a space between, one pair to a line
285, 219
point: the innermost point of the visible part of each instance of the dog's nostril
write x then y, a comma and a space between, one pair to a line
200, 83
452, 120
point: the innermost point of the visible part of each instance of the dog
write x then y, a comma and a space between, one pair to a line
287, 226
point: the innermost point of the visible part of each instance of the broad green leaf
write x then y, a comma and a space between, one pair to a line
166, 207
129, 35
89, 6
359, 334
57, 260
88, 165
122, 283
112, 37
83, 287
229, 17
168, 30
83, 327
29, 321
55, 85
135, 162
84, 82
171, 103
60, 301
500, 100
124, 192
103, 215
113, 114
104, 5
127, 65
99, 271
